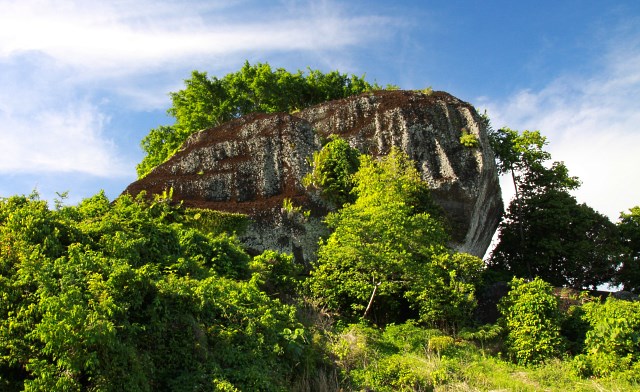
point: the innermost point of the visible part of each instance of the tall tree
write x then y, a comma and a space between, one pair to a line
562, 242
545, 232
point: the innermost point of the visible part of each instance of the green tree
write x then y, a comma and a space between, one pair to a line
380, 245
206, 102
522, 155
629, 227
387, 251
532, 320
553, 237
545, 232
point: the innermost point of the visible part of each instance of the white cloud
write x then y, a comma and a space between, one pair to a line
68, 140
592, 124
63, 62
130, 36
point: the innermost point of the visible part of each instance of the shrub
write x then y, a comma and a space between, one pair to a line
532, 320
446, 298
612, 344
469, 139
276, 273
409, 337
333, 169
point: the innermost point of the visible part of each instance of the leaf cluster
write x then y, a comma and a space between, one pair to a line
333, 168
612, 343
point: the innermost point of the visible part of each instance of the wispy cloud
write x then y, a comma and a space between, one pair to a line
126, 36
61, 60
65, 140
592, 123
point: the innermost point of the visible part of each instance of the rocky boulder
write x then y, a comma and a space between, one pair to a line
252, 164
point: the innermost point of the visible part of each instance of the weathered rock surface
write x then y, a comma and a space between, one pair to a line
250, 165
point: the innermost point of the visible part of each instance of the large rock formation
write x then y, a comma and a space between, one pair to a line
251, 164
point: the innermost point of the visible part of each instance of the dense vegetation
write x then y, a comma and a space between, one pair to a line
141, 294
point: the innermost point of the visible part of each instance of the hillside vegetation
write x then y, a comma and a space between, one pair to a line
142, 294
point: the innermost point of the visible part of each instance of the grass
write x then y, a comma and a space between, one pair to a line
380, 361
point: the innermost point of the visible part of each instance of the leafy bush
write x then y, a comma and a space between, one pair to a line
277, 274
531, 318
612, 344
446, 296
469, 140
332, 171
400, 372
409, 337
397, 359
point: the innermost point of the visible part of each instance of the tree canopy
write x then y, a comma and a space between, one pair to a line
546, 233
206, 102
332, 171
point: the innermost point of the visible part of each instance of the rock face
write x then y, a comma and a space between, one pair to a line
251, 164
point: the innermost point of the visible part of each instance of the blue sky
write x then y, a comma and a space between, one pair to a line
82, 82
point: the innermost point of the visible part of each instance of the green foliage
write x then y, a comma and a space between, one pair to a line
469, 140
532, 321
546, 233
371, 360
574, 329
629, 228
380, 242
159, 145
397, 359
553, 237
612, 346
332, 171
387, 252
522, 155
400, 372
294, 212
440, 344
126, 296
207, 102
277, 274
409, 337
483, 334
446, 297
